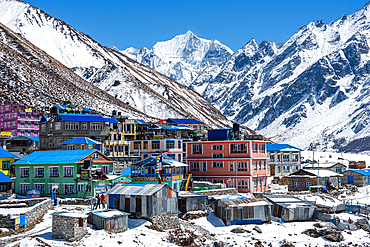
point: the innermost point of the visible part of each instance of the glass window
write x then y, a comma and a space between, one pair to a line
243, 183
217, 155
54, 171
294, 157
259, 165
51, 187
155, 144
255, 147
194, 166
95, 156
286, 168
145, 144
279, 170
197, 148
96, 126
105, 169
22, 115
69, 189
84, 126
272, 157
137, 145
71, 126
255, 184
204, 166
40, 187
58, 126
39, 172
218, 164
80, 187
231, 165
255, 165
23, 124
68, 171
218, 147
170, 144
6, 164
294, 168
239, 148
262, 148
243, 165
308, 184
24, 172
179, 144
285, 157
23, 188
338, 169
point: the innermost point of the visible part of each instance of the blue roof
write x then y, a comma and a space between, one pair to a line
82, 117
365, 172
111, 120
280, 147
183, 121
170, 127
54, 157
32, 138
84, 108
62, 107
80, 140
140, 121
6, 154
5, 179
126, 171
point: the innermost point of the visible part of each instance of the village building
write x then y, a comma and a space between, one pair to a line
242, 211
358, 177
6, 184
282, 159
144, 200
21, 145
19, 120
239, 164
334, 166
189, 201
3, 137
81, 143
64, 170
304, 179
111, 220
6, 162
68, 226
60, 128
147, 171
194, 124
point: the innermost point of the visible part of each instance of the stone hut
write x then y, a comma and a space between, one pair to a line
69, 226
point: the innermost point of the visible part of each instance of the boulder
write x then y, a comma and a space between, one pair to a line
218, 244
329, 225
352, 227
257, 229
238, 230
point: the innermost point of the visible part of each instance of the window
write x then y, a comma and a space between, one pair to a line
278, 157
263, 164
197, 149
285, 157
29, 115
24, 172
7, 108
69, 189
255, 165
243, 165
13, 124
194, 166
260, 184
170, 144
58, 126
231, 166
179, 144
145, 144
23, 124
217, 155
96, 126
51, 189
6, 164
40, 187
217, 181
29, 123
83, 126
217, 147
294, 157
23, 188
95, 156
36, 115
68, 171
137, 145
255, 182
43, 128
338, 169
243, 183
155, 145
272, 157
71, 126
217, 164
260, 165
286, 168
262, 148
239, 148
294, 168
255, 147
28, 132
39, 172
308, 184
80, 187
279, 170
106, 169
204, 166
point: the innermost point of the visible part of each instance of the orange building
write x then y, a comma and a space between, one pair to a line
239, 164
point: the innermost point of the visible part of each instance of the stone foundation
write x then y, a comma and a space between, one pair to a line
165, 222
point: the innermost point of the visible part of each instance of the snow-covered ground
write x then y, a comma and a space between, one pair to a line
138, 234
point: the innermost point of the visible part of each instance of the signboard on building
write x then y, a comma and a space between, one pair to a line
33, 193
28, 110
100, 189
6, 133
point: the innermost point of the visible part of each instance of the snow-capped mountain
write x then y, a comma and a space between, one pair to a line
184, 58
125, 79
33, 78
311, 91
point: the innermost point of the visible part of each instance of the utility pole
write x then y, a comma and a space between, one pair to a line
91, 197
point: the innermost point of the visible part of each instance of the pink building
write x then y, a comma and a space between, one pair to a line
171, 147
19, 120
239, 164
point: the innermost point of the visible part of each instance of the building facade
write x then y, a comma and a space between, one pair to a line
19, 120
282, 159
239, 164
303, 179
6, 162
146, 148
358, 177
44, 170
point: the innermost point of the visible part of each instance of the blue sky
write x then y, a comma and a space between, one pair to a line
137, 23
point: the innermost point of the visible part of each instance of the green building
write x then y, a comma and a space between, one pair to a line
64, 170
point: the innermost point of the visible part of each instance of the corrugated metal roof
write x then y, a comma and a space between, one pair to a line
54, 157
111, 120
82, 117
84, 108
365, 172
245, 202
136, 189
6, 154
5, 179
282, 198
126, 171
80, 140
26, 138
183, 121
281, 147
170, 127
62, 107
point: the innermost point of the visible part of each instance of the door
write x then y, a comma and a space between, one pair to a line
272, 170
350, 179
116, 203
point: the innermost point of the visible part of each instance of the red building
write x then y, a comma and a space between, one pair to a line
239, 164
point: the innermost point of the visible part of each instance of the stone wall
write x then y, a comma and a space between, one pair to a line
38, 210
7, 221
74, 201
68, 227
230, 191
165, 222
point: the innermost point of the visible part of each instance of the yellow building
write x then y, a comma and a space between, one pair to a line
6, 161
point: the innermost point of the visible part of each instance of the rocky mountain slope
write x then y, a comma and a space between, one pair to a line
125, 79
184, 58
311, 91
33, 78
